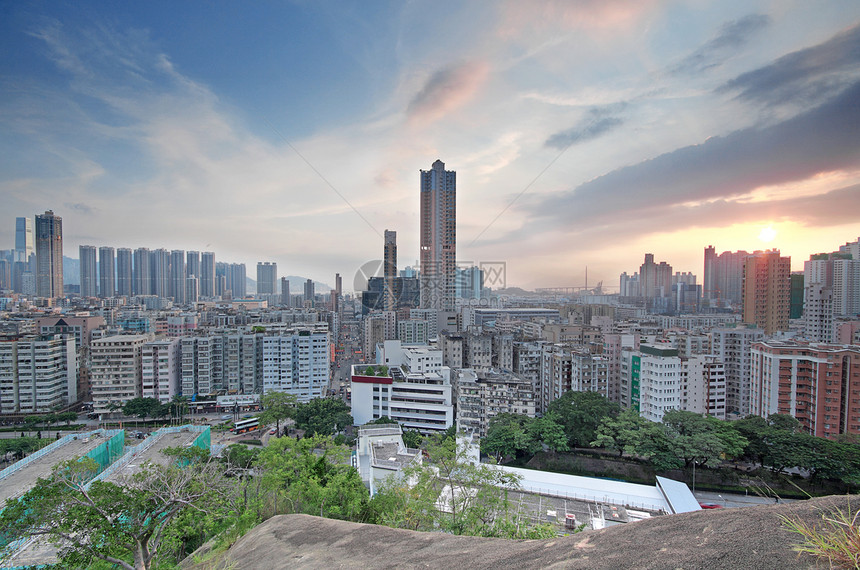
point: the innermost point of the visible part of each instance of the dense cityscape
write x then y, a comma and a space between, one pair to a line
209, 326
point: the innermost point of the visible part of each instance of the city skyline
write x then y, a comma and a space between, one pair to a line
583, 134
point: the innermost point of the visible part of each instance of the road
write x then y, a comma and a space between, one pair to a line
732, 500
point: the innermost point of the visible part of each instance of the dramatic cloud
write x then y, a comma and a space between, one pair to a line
592, 126
446, 90
731, 37
821, 140
803, 75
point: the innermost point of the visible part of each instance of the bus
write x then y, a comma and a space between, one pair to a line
242, 426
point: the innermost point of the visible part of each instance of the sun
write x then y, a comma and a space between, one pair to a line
767, 234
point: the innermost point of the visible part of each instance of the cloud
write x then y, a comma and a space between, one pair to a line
446, 90
803, 75
590, 16
823, 139
730, 37
80, 207
595, 124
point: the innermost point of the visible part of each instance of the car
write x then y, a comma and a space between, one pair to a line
710, 505
226, 417
273, 431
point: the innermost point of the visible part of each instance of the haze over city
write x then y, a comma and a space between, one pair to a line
582, 133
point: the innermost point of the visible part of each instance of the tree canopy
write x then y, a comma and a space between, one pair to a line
323, 416
277, 407
581, 413
123, 524
142, 407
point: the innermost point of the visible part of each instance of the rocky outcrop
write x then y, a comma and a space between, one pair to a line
751, 537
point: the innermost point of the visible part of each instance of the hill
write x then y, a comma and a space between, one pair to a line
750, 537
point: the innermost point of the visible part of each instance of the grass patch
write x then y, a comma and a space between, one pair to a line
836, 539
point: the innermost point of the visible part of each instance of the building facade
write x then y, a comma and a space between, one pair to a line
438, 237
819, 384
49, 255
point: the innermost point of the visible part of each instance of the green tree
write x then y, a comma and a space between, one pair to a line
581, 413
31, 421
277, 407
239, 457
509, 435
67, 417
412, 438
122, 524
626, 433
547, 431
323, 416
701, 440
313, 476
141, 407
785, 422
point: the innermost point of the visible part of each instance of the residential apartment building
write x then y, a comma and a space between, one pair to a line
482, 395
819, 384
116, 370
161, 369
37, 373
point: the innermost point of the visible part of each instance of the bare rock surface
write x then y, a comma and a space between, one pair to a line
751, 537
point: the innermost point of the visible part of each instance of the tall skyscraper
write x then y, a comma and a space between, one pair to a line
338, 283
49, 255
285, 292
309, 292
723, 282
438, 237
177, 276
192, 265
142, 272
124, 272
207, 274
87, 257
267, 278
160, 272
107, 268
236, 280
831, 283
389, 268
25, 244
767, 291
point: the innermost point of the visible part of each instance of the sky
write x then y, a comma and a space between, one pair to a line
584, 133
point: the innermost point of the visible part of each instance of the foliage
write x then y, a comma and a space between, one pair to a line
67, 417
581, 413
114, 522
701, 440
382, 371
509, 435
323, 416
19, 446
837, 541
277, 407
628, 433
239, 457
313, 476
384, 420
412, 438
141, 407
370, 371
